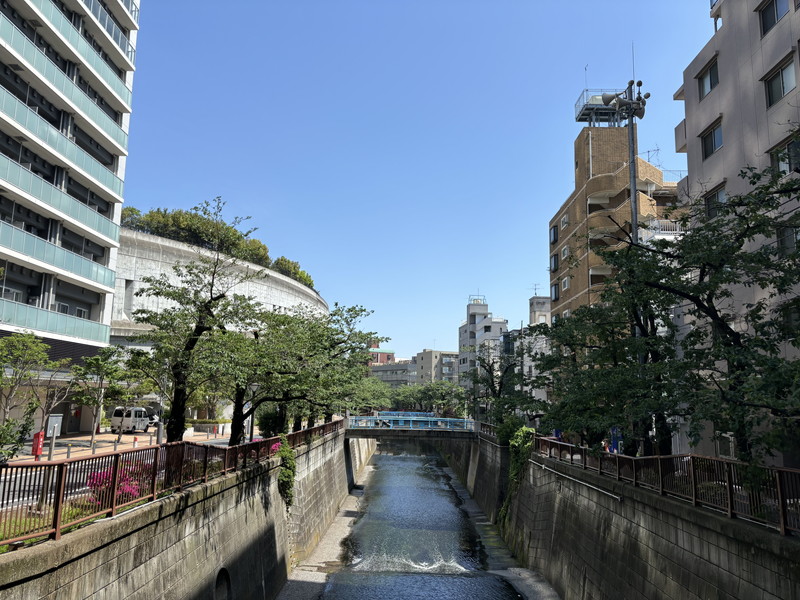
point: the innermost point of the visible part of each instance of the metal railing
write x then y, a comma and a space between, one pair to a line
40, 500
765, 495
400, 413
407, 423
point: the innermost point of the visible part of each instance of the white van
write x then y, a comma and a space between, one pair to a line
129, 419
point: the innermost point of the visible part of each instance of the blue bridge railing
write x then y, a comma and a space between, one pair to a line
416, 423
402, 413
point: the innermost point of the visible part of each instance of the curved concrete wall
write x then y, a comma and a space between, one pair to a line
142, 254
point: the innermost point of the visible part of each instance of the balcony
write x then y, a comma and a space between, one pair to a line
39, 319
83, 49
116, 34
680, 137
659, 229
22, 46
33, 185
133, 11
36, 127
57, 258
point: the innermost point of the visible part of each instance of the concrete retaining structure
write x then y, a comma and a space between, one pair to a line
594, 537
230, 538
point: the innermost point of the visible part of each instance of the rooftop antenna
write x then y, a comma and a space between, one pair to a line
633, 60
586, 77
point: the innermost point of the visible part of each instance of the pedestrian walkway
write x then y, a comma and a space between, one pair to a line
76, 445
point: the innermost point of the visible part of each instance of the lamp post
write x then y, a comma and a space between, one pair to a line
629, 106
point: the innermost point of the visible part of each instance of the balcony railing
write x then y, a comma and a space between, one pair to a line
20, 44
120, 39
48, 135
39, 319
61, 24
40, 499
30, 245
26, 181
132, 8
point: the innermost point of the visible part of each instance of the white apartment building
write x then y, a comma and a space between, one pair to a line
436, 365
479, 329
66, 71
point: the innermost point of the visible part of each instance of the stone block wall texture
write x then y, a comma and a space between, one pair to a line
225, 539
594, 537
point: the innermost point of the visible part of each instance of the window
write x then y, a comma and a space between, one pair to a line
565, 314
8, 293
780, 83
553, 234
81, 313
554, 263
565, 283
771, 13
554, 319
712, 140
487, 329
713, 201
554, 292
786, 159
788, 240
62, 307
564, 221
708, 80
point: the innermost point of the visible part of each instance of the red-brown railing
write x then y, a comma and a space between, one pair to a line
39, 499
766, 495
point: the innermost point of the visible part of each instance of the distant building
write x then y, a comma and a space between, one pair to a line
599, 209
436, 365
395, 374
480, 329
381, 356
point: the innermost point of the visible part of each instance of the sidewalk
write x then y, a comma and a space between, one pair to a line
78, 445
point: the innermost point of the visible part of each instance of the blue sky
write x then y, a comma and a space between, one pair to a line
407, 153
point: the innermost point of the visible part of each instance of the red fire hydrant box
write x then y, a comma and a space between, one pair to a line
38, 442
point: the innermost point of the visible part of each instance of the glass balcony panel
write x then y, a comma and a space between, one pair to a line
132, 8
83, 48
34, 185
28, 50
30, 245
30, 317
120, 39
39, 128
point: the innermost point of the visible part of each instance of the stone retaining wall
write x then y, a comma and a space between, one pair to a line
594, 537
230, 538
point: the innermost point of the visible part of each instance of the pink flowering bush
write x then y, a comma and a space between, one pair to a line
129, 483
274, 448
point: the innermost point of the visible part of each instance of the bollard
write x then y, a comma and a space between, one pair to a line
69, 450
94, 447
52, 448
159, 433
208, 435
151, 440
116, 442
136, 442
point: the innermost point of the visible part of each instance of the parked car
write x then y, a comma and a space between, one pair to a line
130, 419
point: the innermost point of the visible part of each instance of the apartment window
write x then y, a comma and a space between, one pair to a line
780, 83
708, 80
772, 12
553, 234
565, 283
564, 252
554, 263
713, 202
554, 319
564, 221
786, 159
8, 293
565, 314
487, 329
82, 313
62, 307
788, 240
712, 140
554, 292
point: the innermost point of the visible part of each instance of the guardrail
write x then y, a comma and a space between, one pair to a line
43, 499
408, 423
765, 495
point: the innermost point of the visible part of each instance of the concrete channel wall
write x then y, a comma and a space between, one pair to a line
594, 537
230, 538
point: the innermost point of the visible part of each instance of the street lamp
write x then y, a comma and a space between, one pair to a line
629, 106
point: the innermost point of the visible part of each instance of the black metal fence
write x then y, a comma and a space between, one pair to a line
766, 495
43, 499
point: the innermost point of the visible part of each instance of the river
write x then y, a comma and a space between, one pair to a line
413, 537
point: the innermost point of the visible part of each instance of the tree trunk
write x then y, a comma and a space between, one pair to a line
329, 416
298, 423
237, 420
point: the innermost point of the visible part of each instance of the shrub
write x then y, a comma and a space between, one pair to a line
287, 472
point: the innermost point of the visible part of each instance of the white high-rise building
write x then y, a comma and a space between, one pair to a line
480, 329
66, 70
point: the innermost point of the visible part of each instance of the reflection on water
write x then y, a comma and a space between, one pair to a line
413, 541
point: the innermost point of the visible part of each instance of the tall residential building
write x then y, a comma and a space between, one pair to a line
436, 365
66, 70
480, 329
395, 374
599, 209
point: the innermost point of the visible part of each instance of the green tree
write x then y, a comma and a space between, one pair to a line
292, 269
371, 393
99, 377
52, 387
200, 303
22, 355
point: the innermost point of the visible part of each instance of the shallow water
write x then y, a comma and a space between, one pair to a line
413, 540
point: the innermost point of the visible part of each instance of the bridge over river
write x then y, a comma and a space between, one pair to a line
409, 424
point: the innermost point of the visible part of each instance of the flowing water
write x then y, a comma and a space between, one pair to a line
413, 540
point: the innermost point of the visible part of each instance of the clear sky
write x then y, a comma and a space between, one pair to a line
407, 153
